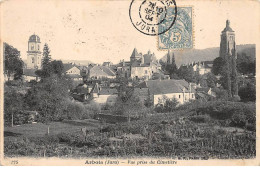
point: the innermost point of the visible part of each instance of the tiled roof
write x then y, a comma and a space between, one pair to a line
29, 72
167, 86
67, 66
101, 71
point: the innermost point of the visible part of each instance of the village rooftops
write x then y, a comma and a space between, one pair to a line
101, 71
203, 89
68, 66
166, 86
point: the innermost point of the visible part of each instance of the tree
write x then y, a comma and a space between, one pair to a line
48, 98
13, 106
187, 73
171, 68
211, 80
218, 65
248, 92
54, 67
245, 64
13, 64
46, 67
57, 67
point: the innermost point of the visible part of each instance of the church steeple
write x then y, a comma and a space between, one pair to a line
229, 55
227, 44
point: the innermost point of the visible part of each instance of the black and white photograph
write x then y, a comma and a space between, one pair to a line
129, 82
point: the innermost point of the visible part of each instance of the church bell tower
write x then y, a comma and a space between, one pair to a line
229, 54
228, 44
34, 55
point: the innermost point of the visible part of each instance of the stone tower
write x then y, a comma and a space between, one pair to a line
34, 54
227, 44
135, 56
229, 54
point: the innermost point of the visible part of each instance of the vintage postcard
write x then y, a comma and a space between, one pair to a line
129, 82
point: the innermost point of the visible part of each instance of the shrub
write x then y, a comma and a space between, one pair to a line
200, 118
248, 93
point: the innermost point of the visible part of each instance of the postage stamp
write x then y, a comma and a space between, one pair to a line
180, 35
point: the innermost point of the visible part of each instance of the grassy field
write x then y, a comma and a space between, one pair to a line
40, 129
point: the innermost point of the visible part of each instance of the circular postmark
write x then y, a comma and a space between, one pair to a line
147, 15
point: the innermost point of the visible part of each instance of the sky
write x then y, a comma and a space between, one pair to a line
102, 31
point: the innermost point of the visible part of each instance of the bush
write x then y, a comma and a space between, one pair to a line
248, 93
235, 114
200, 118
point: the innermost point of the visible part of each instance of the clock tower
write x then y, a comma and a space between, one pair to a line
34, 54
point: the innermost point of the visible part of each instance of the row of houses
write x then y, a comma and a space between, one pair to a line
154, 90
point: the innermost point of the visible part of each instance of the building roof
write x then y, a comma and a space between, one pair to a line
167, 86
29, 72
135, 54
203, 89
227, 28
67, 66
34, 38
101, 71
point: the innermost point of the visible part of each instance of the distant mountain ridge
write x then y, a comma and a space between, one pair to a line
208, 54
78, 62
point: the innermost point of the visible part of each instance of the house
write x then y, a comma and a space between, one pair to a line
140, 66
108, 64
29, 74
158, 89
202, 68
82, 92
99, 72
96, 93
72, 71
106, 96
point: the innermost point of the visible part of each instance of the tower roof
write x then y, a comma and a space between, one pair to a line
228, 28
134, 53
34, 38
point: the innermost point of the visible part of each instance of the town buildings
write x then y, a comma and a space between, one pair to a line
140, 66
158, 90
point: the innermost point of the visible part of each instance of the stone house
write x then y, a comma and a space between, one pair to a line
181, 90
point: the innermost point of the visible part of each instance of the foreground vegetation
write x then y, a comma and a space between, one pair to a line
196, 130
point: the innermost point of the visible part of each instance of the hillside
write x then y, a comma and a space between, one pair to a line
208, 54
78, 62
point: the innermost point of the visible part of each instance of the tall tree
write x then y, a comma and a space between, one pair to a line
171, 67
46, 68
13, 64
187, 73
218, 66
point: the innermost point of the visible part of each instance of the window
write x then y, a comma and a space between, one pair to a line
192, 96
145, 71
38, 47
32, 60
32, 47
179, 96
